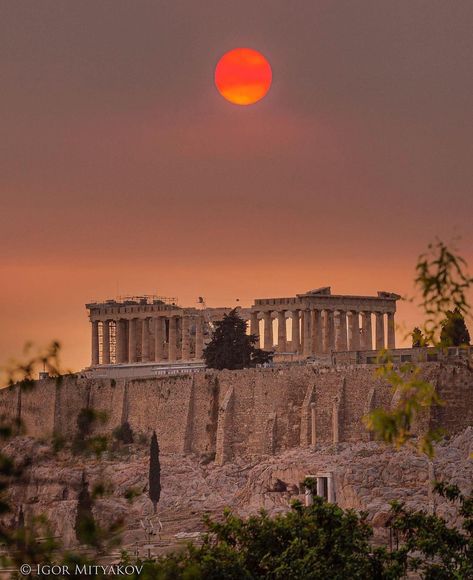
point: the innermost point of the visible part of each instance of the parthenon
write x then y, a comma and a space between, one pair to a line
147, 329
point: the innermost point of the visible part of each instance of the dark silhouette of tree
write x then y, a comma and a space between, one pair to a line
85, 528
454, 331
20, 529
154, 471
231, 348
124, 433
418, 338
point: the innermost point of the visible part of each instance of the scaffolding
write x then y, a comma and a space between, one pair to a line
146, 299
113, 342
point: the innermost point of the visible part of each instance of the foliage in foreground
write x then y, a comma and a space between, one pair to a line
395, 426
320, 541
324, 541
430, 546
443, 283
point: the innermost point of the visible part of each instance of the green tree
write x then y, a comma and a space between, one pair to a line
454, 331
85, 527
418, 338
316, 542
324, 541
431, 547
154, 471
231, 348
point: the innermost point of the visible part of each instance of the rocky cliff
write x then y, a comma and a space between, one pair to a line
366, 475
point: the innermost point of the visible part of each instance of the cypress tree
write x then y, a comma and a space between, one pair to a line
154, 471
85, 528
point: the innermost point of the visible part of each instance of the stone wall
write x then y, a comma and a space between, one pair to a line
233, 414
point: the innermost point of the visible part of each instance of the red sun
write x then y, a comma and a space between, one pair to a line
243, 76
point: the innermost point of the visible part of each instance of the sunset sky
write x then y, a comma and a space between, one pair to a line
123, 170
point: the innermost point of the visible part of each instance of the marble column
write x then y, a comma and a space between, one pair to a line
106, 342
145, 340
158, 339
341, 331
186, 339
282, 331
309, 497
331, 318
95, 342
329, 331
306, 338
391, 331
379, 330
120, 343
330, 490
354, 331
296, 335
132, 339
199, 337
268, 331
254, 326
316, 324
172, 352
313, 424
367, 342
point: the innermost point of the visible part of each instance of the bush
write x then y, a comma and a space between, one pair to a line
124, 433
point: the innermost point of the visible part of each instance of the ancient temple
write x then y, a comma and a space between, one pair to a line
155, 329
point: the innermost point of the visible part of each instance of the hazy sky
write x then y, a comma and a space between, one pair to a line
122, 170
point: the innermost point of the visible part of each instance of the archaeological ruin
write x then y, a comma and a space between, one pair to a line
245, 438
153, 329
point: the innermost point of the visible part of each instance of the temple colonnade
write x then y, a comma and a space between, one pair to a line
316, 331
148, 328
128, 340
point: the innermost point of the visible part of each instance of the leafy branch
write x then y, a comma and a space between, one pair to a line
443, 283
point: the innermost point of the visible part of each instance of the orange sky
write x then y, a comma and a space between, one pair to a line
122, 170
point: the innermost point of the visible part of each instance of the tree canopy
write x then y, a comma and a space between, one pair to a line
418, 338
454, 331
231, 347
323, 541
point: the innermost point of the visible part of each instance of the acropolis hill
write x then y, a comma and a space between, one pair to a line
147, 371
241, 438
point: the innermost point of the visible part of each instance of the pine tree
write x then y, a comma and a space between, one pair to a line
154, 471
231, 348
454, 331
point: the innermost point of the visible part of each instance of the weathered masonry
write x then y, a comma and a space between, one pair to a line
148, 329
231, 414
145, 329
323, 323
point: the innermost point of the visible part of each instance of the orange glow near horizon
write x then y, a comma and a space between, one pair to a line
243, 76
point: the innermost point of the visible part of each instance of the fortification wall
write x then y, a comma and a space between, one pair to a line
236, 413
